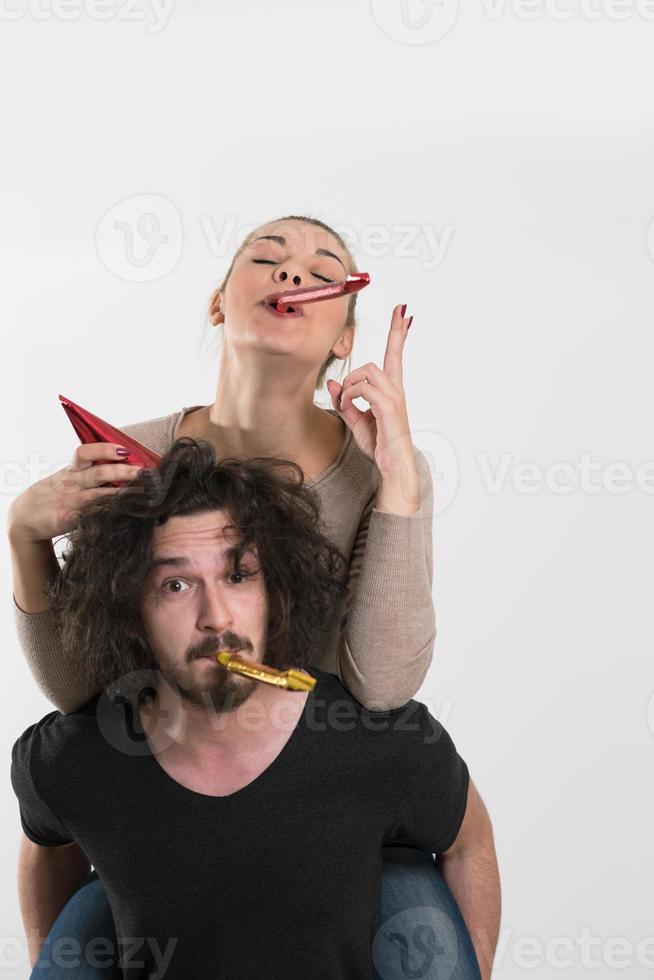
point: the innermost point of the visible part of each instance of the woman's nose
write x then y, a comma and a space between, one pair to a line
296, 278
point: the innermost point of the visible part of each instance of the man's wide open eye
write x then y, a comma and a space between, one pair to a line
243, 574
174, 581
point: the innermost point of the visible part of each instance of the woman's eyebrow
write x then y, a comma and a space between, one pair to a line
282, 241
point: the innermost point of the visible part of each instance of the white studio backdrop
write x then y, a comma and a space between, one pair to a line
492, 167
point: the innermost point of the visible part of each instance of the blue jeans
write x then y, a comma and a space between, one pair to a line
422, 935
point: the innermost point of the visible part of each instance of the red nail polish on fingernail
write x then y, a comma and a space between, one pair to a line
404, 309
123, 452
410, 322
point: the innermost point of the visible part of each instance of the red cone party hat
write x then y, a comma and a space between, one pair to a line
90, 428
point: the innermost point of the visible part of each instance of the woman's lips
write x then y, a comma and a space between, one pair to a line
288, 315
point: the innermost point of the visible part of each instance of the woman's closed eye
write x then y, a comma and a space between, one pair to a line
272, 262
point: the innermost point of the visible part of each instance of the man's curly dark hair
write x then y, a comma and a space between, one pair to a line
96, 597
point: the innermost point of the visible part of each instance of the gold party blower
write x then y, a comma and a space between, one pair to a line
291, 679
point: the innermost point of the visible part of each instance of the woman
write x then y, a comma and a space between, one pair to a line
375, 494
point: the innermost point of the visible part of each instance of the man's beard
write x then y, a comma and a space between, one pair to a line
223, 691
226, 692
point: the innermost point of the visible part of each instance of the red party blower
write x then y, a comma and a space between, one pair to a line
90, 428
311, 294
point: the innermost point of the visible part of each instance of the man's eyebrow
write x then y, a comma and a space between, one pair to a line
282, 241
181, 562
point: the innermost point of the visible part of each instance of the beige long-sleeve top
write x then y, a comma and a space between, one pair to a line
381, 645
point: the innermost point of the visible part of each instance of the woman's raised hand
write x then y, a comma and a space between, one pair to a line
382, 432
52, 506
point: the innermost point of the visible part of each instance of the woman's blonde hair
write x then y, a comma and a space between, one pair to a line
350, 320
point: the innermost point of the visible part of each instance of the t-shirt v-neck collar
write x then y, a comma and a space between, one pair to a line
347, 440
282, 762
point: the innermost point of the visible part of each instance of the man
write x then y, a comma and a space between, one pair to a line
237, 827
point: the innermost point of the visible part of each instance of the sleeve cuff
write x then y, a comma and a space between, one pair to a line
41, 841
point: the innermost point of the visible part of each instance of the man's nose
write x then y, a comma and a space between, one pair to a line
214, 613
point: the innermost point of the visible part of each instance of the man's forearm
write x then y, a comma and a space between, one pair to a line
473, 878
47, 878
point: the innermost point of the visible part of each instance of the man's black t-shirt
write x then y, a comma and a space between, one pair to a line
280, 879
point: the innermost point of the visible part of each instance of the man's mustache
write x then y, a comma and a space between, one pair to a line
212, 645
